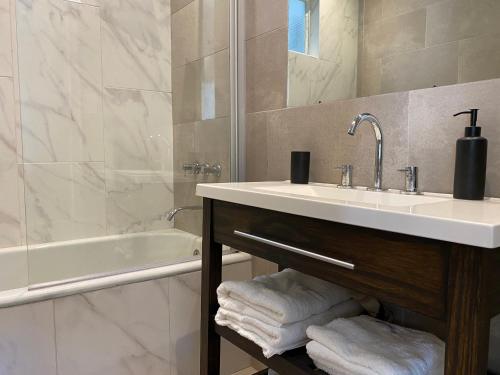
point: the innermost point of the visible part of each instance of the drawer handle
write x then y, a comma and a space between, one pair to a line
296, 250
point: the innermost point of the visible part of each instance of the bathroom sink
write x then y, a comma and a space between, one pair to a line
354, 196
430, 215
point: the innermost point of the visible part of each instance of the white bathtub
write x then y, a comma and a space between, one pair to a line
63, 268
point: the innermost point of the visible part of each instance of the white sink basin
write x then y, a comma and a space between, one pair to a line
436, 216
354, 196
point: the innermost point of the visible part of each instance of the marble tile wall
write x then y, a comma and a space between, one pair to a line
136, 44
86, 124
201, 103
419, 129
6, 58
12, 218
441, 41
143, 328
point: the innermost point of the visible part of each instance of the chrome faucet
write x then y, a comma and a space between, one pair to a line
174, 211
379, 145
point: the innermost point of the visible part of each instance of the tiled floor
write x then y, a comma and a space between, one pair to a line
247, 371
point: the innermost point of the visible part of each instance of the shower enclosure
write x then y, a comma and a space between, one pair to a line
112, 111
104, 106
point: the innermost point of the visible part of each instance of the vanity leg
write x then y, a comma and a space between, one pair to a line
468, 313
211, 272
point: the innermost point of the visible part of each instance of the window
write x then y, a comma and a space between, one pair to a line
303, 26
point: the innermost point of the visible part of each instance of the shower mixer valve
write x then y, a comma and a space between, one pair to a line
196, 168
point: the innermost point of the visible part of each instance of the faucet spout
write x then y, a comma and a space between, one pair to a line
174, 211
377, 129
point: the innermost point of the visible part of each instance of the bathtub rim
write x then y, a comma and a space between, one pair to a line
23, 296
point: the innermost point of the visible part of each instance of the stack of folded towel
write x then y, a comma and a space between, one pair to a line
274, 311
366, 346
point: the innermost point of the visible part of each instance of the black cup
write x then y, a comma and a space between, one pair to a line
300, 167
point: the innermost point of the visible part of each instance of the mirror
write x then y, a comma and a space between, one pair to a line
343, 49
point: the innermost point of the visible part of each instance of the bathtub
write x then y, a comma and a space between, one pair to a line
69, 267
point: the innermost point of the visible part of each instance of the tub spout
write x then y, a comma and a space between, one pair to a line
170, 215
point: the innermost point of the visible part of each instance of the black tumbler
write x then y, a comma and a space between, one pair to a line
300, 167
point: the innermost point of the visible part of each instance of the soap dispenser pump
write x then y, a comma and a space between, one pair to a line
470, 163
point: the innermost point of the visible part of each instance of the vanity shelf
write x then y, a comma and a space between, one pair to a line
455, 285
292, 362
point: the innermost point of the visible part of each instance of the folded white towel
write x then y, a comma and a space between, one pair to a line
284, 297
277, 340
367, 346
323, 358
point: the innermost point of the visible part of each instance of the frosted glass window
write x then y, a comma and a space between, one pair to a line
303, 26
297, 25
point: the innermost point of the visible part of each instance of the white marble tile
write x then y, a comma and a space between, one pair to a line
185, 295
334, 81
64, 201
299, 79
27, 343
312, 80
136, 44
60, 80
136, 200
6, 65
15, 77
338, 34
117, 331
10, 205
138, 130
89, 2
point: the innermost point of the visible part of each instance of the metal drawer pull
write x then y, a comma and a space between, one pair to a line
296, 250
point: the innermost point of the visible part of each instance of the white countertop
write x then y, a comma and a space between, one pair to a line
436, 216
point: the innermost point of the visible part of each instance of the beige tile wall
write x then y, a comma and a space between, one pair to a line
266, 70
419, 129
440, 42
201, 106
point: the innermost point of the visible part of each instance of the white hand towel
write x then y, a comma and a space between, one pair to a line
277, 340
367, 346
285, 297
324, 359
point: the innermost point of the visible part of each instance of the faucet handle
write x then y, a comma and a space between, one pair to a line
192, 168
346, 181
215, 169
411, 179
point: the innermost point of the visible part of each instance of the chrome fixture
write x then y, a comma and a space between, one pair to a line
174, 211
196, 168
193, 168
296, 250
379, 145
215, 169
346, 182
411, 180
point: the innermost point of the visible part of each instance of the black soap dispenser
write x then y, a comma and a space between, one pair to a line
470, 163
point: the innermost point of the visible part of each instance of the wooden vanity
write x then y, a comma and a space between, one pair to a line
456, 286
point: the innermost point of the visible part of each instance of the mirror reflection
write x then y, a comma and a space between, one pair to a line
341, 49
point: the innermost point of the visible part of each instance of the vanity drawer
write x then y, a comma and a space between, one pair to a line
401, 269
